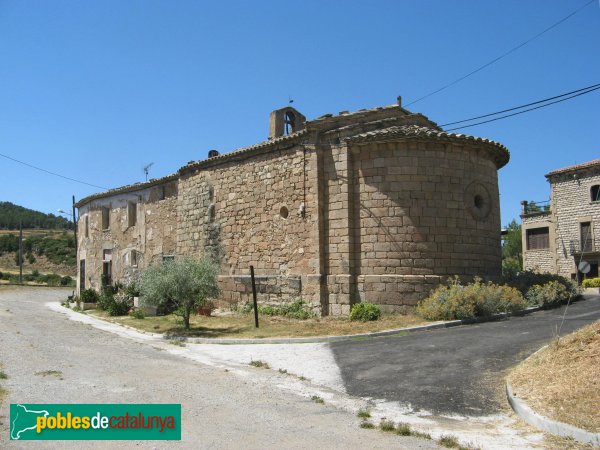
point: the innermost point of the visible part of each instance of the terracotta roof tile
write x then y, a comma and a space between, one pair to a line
416, 131
585, 165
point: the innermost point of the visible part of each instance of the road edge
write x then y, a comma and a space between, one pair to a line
319, 339
546, 424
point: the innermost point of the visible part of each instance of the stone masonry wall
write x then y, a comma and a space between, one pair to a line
539, 260
262, 211
151, 237
417, 219
572, 204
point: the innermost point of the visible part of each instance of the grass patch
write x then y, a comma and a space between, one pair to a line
387, 425
448, 441
421, 435
242, 325
260, 364
3, 376
403, 429
317, 399
176, 342
283, 371
363, 414
366, 424
572, 393
50, 373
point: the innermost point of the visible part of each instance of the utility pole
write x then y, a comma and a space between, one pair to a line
21, 252
74, 225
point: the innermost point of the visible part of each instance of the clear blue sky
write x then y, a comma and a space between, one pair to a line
95, 90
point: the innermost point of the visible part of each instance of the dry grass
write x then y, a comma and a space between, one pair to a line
242, 326
562, 382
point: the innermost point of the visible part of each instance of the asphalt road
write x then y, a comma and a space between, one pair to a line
455, 370
51, 359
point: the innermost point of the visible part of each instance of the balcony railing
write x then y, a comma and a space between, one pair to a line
531, 207
578, 247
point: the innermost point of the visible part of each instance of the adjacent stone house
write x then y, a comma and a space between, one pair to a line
557, 238
377, 205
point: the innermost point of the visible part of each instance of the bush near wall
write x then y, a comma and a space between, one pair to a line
548, 295
591, 282
89, 296
526, 279
365, 312
476, 299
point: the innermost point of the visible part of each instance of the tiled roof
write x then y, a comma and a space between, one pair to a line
585, 165
240, 151
416, 132
128, 188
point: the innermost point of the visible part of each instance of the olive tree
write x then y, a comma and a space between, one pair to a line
185, 284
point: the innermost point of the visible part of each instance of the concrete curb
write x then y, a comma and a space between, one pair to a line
549, 425
349, 337
324, 339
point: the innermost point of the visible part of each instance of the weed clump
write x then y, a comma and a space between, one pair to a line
476, 299
260, 364
365, 312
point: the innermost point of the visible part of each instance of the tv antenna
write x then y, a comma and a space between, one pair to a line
147, 169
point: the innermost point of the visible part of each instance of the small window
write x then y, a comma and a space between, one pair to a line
82, 275
105, 218
161, 192
585, 232
283, 212
538, 238
131, 214
289, 123
133, 258
168, 258
87, 226
595, 193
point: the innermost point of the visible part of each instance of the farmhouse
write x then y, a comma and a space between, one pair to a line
559, 236
376, 205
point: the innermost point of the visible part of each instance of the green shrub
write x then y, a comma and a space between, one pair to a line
1, 275
184, 283
105, 299
89, 296
138, 314
547, 295
66, 281
526, 279
120, 305
132, 289
51, 279
476, 299
294, 310
587, 283
365, 312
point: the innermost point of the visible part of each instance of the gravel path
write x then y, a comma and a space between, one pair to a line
221, 408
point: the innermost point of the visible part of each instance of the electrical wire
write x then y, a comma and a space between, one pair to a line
52, 173
522, 112
473, 72
522, 106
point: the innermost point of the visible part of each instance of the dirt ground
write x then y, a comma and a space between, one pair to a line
221, 408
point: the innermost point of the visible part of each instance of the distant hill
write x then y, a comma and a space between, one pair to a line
11, 215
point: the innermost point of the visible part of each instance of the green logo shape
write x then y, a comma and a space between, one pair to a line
37, 422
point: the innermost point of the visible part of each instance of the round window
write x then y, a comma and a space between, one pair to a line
478, 200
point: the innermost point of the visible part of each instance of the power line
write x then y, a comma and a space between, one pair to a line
452, 83
52, 173
524, 111
522, 106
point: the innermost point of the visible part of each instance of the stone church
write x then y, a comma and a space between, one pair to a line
377, 205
